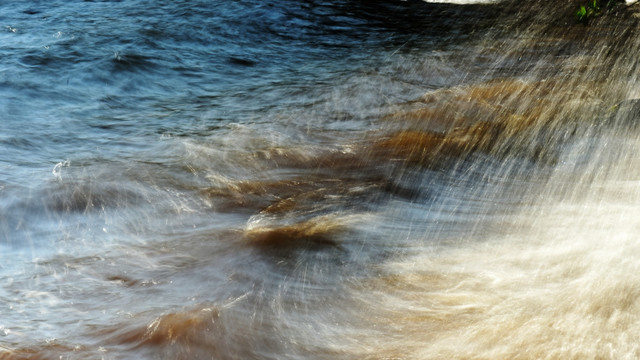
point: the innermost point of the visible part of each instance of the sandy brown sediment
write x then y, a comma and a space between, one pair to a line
499, 118
175, 328
182, 334
450, 122
40, 352
318, 231
432, 149
438, 119
281, 196
502, 117
252, 195
21, 354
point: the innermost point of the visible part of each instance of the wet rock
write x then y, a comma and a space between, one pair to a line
320, 231
502, 117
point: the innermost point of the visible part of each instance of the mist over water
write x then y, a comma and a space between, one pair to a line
318, 180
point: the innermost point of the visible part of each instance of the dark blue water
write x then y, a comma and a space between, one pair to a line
258, 179
94, 92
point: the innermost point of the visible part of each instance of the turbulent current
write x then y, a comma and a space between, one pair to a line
319, 180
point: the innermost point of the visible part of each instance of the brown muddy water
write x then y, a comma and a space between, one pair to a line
491, 214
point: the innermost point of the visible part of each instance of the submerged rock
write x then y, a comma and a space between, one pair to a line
308, 233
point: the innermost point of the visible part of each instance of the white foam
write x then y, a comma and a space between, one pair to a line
560, 279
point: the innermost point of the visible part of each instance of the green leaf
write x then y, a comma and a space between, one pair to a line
581, 13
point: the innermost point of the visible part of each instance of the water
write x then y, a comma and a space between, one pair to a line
319, 179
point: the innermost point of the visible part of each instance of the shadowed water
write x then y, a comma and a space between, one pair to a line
318, 180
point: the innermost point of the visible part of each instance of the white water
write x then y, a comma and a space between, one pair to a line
559, 279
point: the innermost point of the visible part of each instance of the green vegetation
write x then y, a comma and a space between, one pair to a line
593, 9
588, 11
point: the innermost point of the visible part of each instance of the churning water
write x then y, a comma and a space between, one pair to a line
318, 180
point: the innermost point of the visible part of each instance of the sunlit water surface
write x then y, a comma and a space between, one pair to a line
318, 180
